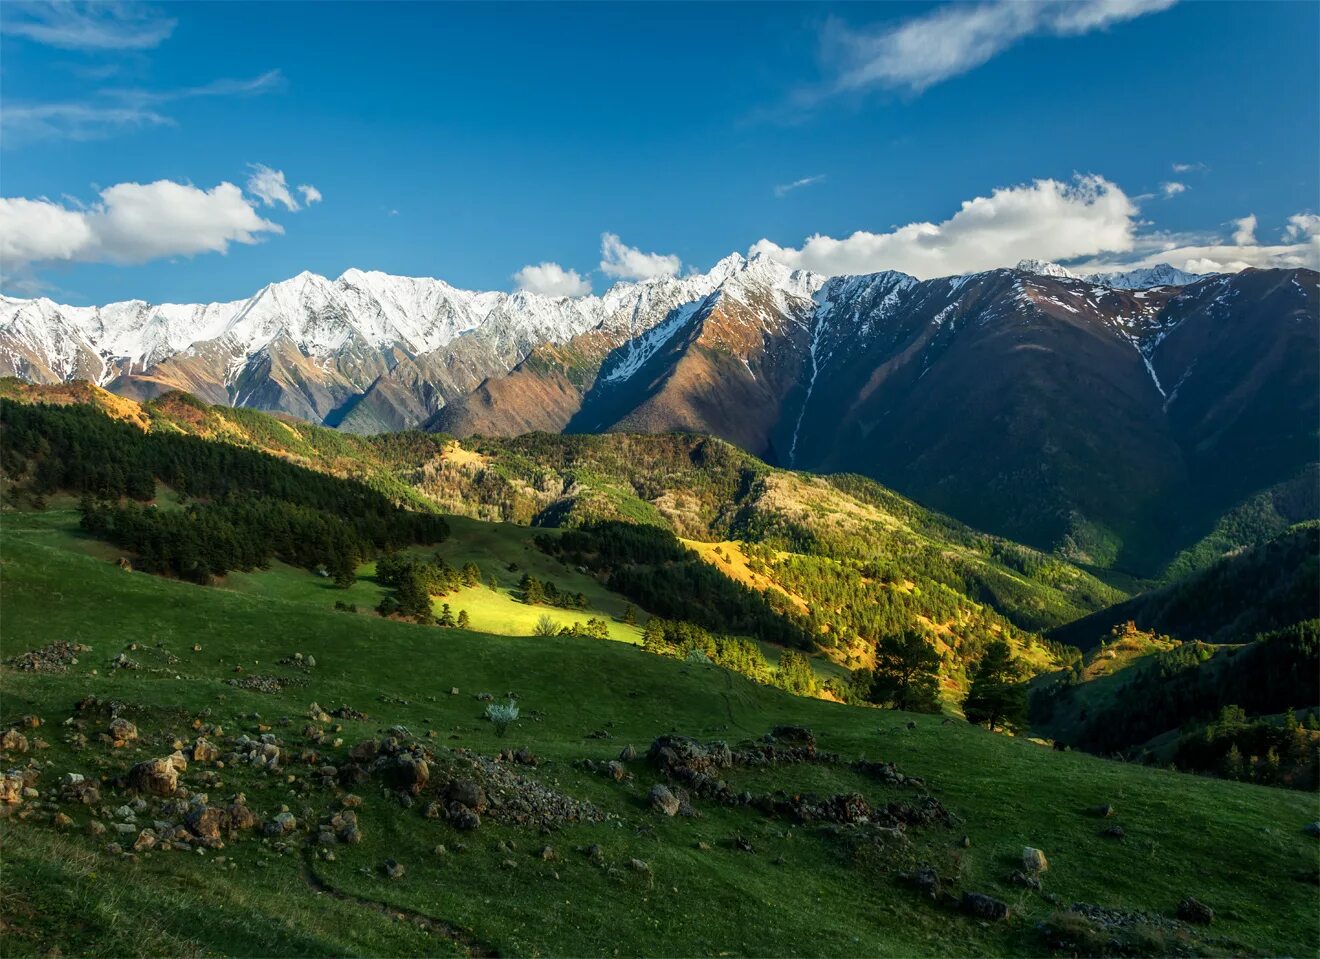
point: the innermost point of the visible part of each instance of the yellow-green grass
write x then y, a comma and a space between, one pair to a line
1236, 846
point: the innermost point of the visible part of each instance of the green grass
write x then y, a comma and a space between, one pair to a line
1237, 847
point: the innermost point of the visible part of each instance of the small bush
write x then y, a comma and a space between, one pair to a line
546, 626
502, 715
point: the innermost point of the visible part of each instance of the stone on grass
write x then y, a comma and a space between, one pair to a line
981, 906
1193, 910
1033, 860
662, 800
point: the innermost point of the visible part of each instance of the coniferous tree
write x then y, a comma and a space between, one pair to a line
905, 673
463, 621
996, 698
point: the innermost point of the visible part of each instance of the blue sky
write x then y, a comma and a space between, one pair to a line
468, 142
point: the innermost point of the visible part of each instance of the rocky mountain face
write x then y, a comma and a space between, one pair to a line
1113, 418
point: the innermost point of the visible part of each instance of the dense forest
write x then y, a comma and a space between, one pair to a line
240, 508
652, 568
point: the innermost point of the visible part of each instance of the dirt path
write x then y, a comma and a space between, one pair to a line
437, 927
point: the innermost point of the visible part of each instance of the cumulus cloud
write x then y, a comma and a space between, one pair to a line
950, 40
1047, 219
98, 26
129, 223
1299, 246
1245, 232
784, 189
550, 279
629, 263
310, 194
1173, 188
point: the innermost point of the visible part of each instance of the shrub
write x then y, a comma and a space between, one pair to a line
546, 626
502, 715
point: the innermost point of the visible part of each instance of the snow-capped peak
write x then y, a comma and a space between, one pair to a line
1162, 274
1045, 268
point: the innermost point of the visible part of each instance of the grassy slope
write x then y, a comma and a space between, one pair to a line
1235, 846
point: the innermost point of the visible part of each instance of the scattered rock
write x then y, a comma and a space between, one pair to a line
1312, 828
392, 869
1113, 832
56, 657
463, 817
1025, 879
981, 906
638, 865
469, 793
616, 771
159, 777
1194, 911
627, 754
1033, 860
1103, 811
662, 800
122, 732
13, 742
927, 880
281, 824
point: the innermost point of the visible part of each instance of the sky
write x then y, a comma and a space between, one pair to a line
194, 152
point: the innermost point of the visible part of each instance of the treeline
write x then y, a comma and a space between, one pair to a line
536, 592
657, 572
412, 582
1265, 751
243, 508
688, 641
1190, 685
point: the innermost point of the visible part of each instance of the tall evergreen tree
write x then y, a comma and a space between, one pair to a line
996, 698
905, 673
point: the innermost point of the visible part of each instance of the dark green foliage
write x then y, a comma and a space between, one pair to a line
1266, 587
248, 508
464, 622
535, 592
413, 582
905, 675
653, 569
997, 698
1267, 751
1190, 685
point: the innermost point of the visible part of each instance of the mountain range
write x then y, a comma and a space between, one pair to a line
1114, 418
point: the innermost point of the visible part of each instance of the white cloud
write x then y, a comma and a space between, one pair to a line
100, 26
950, 40
130, 223
551, 279
1245, 234
1047, 219
268, 186
1197, 167
1198, 253
310, 194
784, 189
113, 110
629, 263
73, 121
1173, 188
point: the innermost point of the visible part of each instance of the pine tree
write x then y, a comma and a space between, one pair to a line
653, 636
630, 615
905, 673
996, 698
463, 621
446, 617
